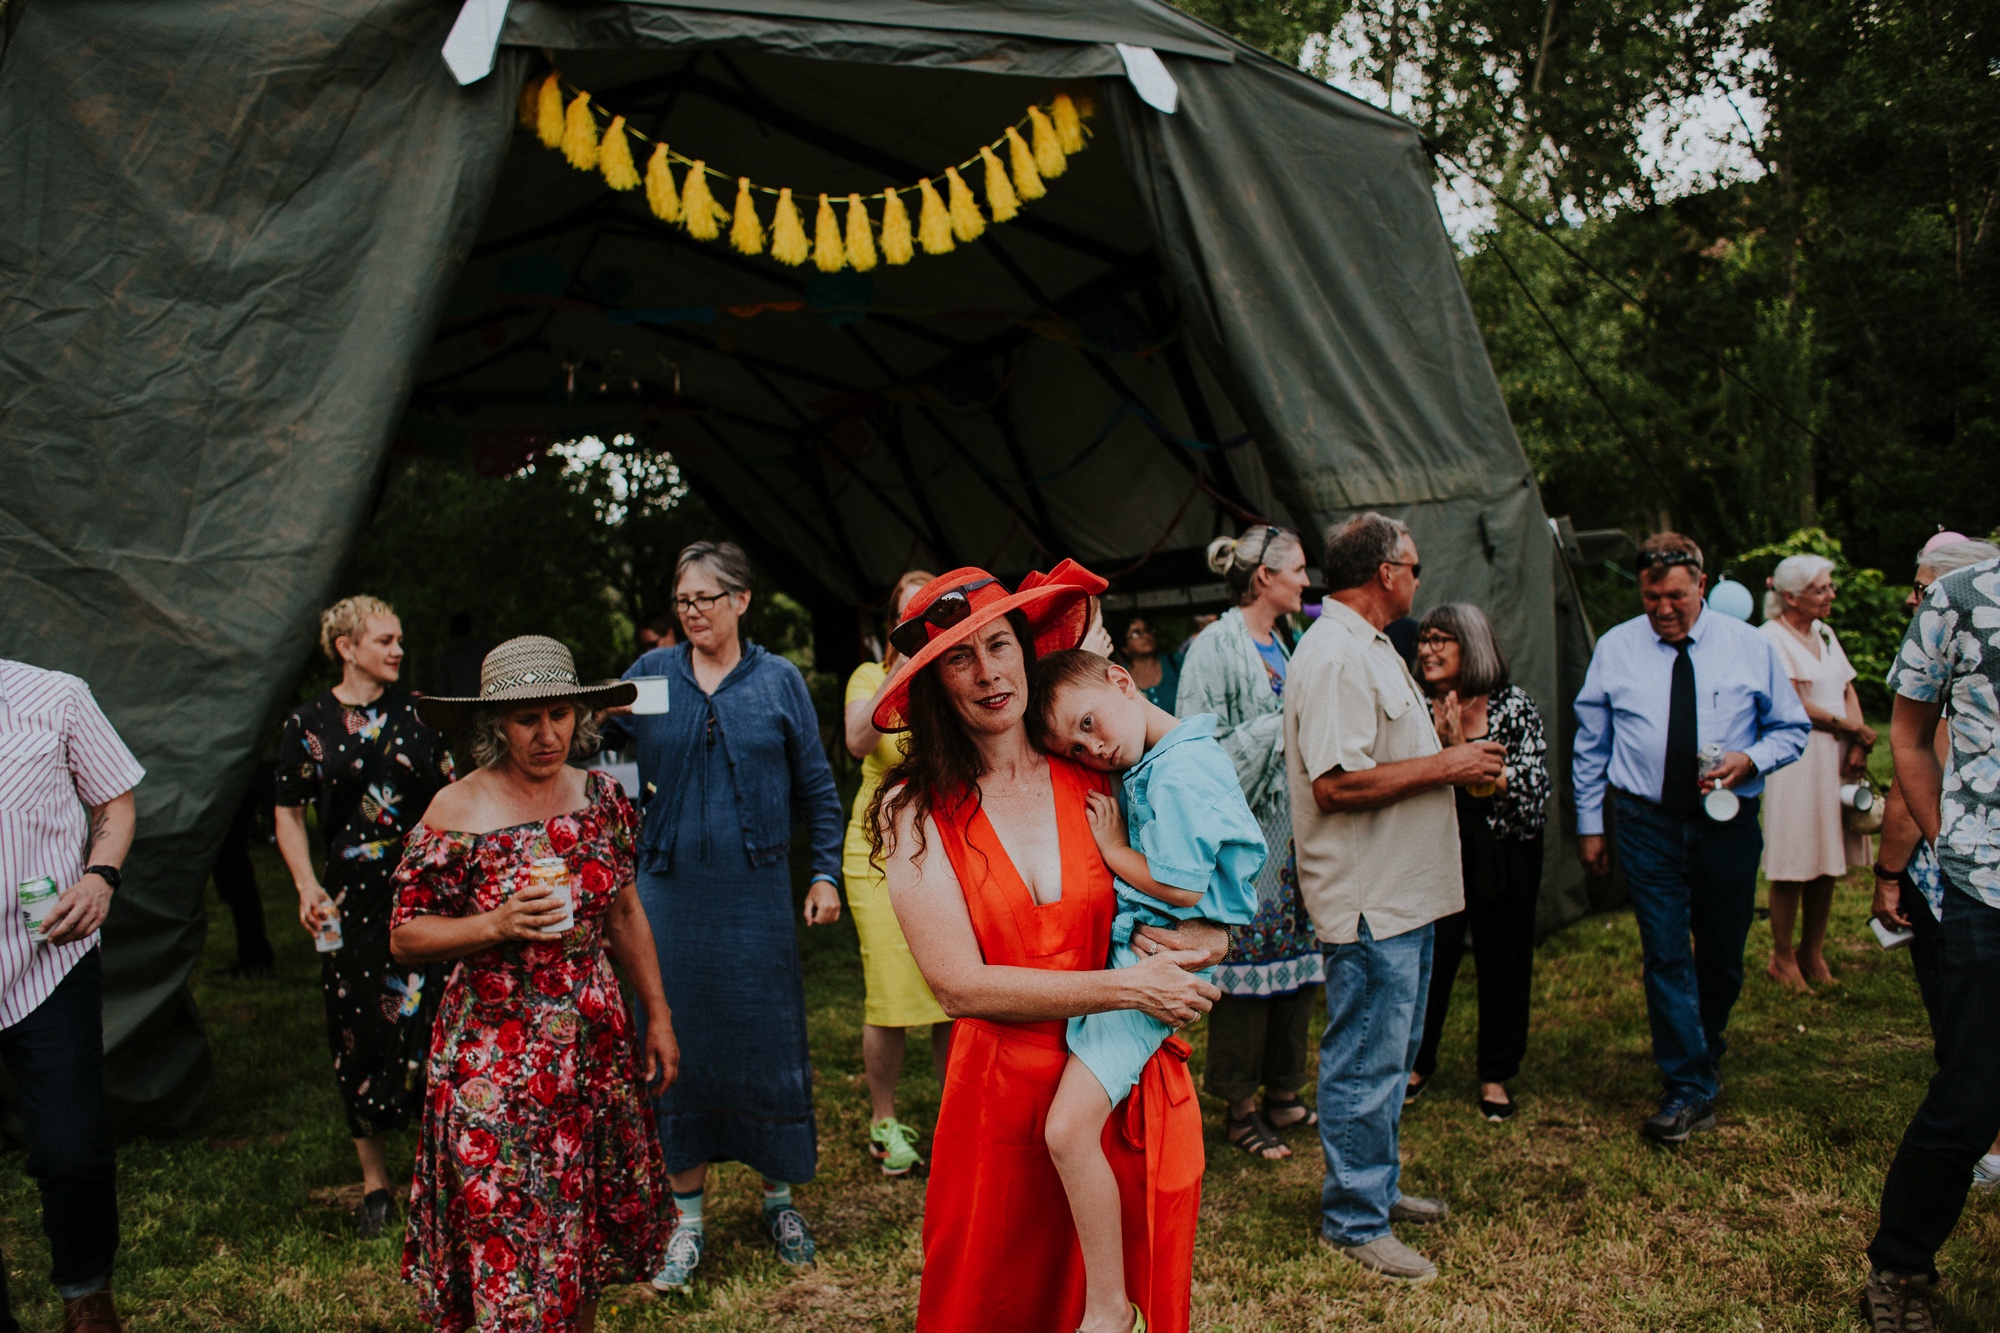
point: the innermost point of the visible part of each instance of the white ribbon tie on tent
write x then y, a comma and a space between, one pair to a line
1143, 66
474, 38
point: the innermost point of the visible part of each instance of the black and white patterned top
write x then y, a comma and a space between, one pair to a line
1512, 720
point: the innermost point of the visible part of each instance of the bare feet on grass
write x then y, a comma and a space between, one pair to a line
1785, 971
1814, 969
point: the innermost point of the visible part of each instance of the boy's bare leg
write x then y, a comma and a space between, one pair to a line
1076, 1144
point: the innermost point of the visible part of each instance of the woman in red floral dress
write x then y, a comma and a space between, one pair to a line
539, 1180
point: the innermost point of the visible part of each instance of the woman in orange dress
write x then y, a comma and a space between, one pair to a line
1008, 907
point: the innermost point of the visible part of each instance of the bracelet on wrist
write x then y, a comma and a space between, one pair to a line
1883, 872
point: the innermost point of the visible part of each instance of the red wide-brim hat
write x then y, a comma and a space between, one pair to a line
1057, 605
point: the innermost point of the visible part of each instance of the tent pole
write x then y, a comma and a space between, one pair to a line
1193, 401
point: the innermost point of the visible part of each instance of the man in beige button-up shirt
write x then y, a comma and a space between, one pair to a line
1375, 827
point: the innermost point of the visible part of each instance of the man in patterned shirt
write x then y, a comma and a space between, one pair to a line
1950, 654
67, 815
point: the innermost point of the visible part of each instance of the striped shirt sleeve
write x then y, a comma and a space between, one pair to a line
99, 762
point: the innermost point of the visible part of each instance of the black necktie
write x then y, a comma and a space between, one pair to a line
1678, 792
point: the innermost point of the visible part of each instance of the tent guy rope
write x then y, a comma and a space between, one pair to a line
1052, 136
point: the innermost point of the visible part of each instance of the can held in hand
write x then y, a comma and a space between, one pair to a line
38, 899
552, 873
327, 938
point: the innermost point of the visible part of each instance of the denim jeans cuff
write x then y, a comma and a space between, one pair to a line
77, 1290
1333, 1236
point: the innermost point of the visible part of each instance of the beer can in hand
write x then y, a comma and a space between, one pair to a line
38, 899
327, 938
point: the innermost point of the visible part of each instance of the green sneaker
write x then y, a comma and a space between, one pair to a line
794, 1238
894, 1145
683, 1256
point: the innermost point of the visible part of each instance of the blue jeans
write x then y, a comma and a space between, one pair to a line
1375, 992
1693, 885
1960, 1114
56, 1057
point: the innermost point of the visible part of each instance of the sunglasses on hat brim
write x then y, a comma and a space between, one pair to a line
947, 609
1651, 560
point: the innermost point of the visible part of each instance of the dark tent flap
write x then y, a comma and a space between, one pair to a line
1013, 38
226, 229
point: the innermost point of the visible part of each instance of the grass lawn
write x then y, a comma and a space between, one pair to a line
1562, 1219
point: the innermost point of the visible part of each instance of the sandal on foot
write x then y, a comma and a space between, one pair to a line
1254, 1135
1412, 1091
1309, 1120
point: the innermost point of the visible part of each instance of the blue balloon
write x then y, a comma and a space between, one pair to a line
1731, 599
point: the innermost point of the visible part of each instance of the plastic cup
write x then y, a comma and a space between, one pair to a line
652, 695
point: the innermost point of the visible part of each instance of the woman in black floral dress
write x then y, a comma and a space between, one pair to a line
1500, 847
360, 754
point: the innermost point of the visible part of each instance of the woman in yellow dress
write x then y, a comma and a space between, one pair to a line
898, 998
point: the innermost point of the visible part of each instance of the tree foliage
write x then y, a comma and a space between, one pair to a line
1815, 346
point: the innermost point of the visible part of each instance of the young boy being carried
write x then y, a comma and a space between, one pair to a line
1193, 853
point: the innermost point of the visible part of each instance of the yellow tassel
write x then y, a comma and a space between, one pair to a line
579, 140
860, 236
788, 234
829, 254
614, 157
1027, 180
1000, 200
528, 110
966, 223
699, 210
664, 200
933, 223
746, 233
1049, 157
896, 247
549, 113
1069, 124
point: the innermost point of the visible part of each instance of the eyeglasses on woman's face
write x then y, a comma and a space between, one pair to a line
700, 603
1434, 639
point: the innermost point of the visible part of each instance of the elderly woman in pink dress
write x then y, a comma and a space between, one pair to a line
1805, 846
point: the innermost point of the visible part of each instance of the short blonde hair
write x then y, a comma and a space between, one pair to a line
348, 618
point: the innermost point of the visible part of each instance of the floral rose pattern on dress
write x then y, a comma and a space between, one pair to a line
539, 1180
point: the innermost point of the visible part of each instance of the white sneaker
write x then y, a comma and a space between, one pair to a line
1986, 1172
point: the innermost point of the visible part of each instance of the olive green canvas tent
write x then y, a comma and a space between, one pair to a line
249, 248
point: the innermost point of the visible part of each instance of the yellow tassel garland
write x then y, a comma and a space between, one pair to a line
1069, 124
829, 253
579, 139
614, 157
1050, 159
746, 233
860, 236
1000, 200
933, 223
896, 247
1027, 180
661, 196
966, 223
788, 234
549, 113
699, 210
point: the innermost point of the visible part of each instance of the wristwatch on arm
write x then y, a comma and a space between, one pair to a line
109, 874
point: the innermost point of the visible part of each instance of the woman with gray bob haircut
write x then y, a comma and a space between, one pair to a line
1499, 846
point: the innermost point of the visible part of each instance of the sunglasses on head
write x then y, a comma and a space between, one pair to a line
1650, 560
946, 609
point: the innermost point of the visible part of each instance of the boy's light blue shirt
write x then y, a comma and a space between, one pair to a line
1184, 810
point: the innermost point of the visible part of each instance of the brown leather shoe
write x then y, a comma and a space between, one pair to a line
95, 1313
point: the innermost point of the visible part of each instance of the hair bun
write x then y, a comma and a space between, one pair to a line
1222, 554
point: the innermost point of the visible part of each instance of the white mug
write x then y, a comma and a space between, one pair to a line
652, 696
1722, 804
1857, 796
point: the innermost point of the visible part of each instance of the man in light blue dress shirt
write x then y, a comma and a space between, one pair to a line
1662, 688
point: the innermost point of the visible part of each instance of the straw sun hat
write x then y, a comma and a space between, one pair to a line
533, 667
